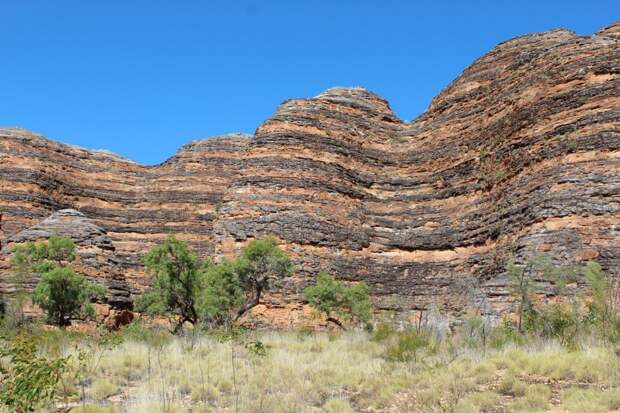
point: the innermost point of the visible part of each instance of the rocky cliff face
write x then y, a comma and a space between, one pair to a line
519, 156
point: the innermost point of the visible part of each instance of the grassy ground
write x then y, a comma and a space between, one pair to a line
336, 372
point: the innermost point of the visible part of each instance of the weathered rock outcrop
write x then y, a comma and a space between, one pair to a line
519, 156
95, 258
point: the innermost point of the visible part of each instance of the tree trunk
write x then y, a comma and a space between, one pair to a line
248, 306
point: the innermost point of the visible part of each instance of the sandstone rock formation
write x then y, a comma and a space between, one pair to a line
519, 156
95, 259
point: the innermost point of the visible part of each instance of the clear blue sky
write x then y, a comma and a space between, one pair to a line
143, 77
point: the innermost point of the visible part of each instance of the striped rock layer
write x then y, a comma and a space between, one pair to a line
518, 157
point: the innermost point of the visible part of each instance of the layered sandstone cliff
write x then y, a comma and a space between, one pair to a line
519, 156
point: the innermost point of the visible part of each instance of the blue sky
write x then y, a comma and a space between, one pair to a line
143, 77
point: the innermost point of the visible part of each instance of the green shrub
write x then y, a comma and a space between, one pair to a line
232, 288
576, 400
64, 295
408, 345
555, 320
475, 330
223, 294
61, 292
178, 277
382, 332
604, 306
536, 398
29, 379
337, 301
512, 386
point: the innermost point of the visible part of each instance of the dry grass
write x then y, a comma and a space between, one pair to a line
349, 372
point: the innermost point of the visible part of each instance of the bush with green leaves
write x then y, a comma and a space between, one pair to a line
28, 380
562, 318
193, 290
559, 320
65, 295
602, 306
261, 266
178, 280
61, 292
527, 280
338, 302
407, 346
232, 288
475, 330
39, 257
223, 293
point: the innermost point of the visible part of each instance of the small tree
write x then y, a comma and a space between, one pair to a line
260, 267
178, 274
522, 284
525, 281
234, 287
223, 294
605, 301
65, 295
337, 301
61, 292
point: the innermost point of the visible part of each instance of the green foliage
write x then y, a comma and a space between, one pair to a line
261, 266
476, 330
11, 310
30, 379
331, 297
61, 292
153, 337
525, 281
234, 287
504, 334
357, 301
257, 348
522, 284
220, 294
560, 320
326, 295
64, 295
600, 308
223, 294
563, 319
383, 332
178, 277
408, 345
41, 257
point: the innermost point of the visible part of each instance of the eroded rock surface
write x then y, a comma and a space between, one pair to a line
95, 253
519, 156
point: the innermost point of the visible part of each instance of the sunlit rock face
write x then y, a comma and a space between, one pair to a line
518, 157
95, 253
